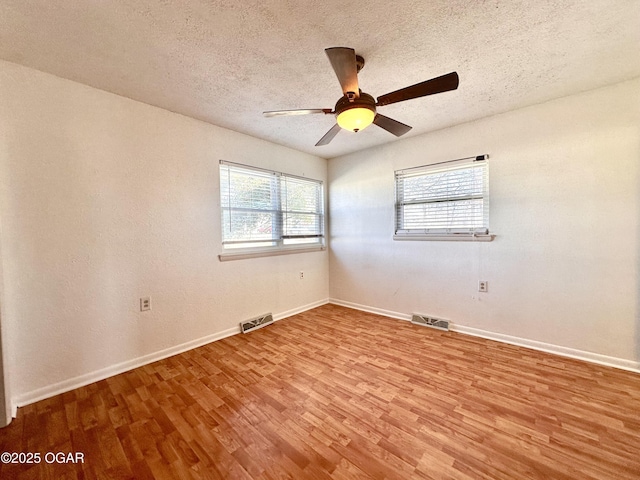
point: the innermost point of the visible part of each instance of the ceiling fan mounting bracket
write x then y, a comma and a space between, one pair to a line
359, 63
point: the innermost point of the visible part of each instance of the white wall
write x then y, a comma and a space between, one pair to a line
104, 200
565, 205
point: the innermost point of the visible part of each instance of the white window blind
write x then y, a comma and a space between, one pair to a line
263, 208
449, 198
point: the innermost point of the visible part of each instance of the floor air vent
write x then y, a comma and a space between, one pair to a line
430, 322
256, 323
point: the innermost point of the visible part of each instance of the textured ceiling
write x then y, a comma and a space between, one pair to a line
226, 62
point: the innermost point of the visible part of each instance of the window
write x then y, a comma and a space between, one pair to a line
449, 200
262, 208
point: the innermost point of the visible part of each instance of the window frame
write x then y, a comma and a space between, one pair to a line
281, 241
470, 232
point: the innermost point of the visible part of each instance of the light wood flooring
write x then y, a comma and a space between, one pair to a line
343, 394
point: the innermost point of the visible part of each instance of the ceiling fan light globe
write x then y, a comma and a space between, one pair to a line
356, 119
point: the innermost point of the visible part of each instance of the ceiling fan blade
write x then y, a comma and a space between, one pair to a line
305, 111
329, 135
343, 62
435, 85
391, 125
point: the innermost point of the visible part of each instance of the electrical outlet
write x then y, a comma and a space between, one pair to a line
145, 304
483, 286
301, 275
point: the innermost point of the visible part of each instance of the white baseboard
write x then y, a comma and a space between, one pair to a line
591, 357
304, 308
366, 308
95, 376
91, 377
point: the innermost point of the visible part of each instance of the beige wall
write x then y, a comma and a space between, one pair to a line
105, 200
564, 269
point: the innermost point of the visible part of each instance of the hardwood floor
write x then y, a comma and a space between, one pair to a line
343, 394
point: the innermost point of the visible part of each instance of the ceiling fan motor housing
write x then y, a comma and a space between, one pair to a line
365, 101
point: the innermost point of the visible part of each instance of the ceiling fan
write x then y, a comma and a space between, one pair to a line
356, 110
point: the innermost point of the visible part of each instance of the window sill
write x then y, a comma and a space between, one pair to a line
451, 237
241, 255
